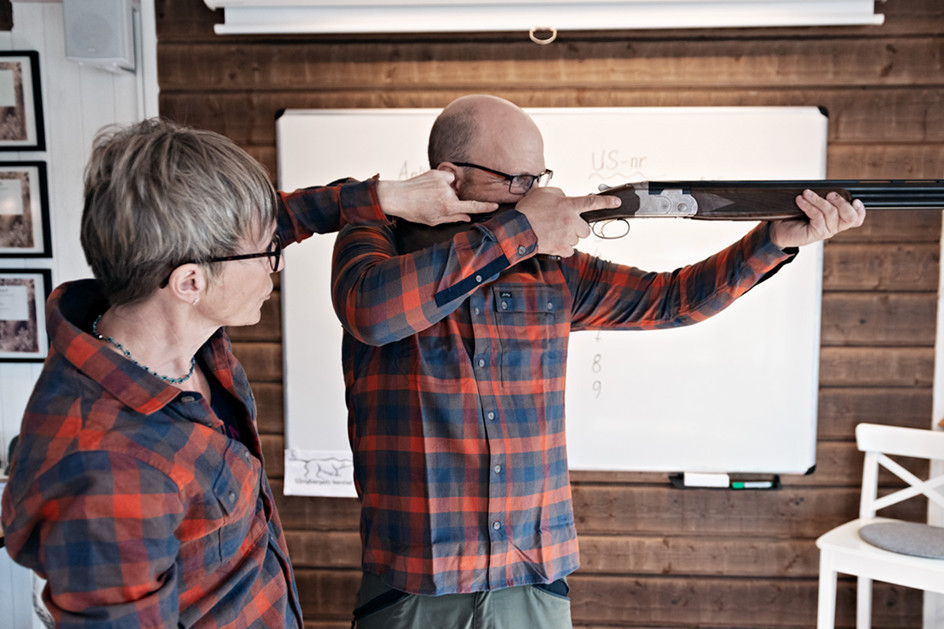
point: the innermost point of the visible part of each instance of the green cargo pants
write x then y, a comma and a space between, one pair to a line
523, 607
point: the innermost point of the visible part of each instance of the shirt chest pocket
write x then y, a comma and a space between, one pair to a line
531, 329
234, 515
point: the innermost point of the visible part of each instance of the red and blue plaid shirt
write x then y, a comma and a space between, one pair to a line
129, 496
454, 364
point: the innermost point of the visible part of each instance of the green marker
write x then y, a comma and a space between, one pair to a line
752, 484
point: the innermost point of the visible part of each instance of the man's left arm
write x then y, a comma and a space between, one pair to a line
617, 296
623, 297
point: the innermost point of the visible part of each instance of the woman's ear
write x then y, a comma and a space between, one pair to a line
188, 282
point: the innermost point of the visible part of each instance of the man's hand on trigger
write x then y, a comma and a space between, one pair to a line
555, 218
428, 198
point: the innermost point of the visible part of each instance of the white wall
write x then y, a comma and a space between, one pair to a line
77, 101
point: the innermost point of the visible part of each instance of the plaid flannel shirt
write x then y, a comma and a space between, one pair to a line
128, 495
454, 364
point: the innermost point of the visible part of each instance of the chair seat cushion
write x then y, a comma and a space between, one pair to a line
907, 538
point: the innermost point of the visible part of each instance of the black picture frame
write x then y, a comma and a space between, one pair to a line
24, 210
23, 295
21, 102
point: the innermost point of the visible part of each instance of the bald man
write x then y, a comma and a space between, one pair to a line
454, 360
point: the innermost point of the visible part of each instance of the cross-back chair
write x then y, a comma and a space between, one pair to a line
905, 553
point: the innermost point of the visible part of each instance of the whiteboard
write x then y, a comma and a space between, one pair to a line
736, 393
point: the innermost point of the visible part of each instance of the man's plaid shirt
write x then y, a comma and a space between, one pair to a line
454, 361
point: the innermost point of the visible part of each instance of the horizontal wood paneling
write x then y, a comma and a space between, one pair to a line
877, 367
841, 408
665, 64
866, 319
880, 267
665, 601
653, 557
248, 118
263, 361
905, 228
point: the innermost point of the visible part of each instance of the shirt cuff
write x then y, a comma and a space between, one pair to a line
764, 248
360, 204
514, 235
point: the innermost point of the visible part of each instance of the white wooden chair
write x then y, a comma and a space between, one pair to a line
844, 550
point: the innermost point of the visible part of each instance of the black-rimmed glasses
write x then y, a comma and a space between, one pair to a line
517, 184
273, 252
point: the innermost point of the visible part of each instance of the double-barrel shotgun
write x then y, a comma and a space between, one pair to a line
715, 200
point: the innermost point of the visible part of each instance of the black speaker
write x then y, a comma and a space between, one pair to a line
100, 32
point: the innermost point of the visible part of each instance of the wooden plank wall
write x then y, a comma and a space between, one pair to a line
652, 556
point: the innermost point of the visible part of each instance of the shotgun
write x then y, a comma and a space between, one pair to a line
713, 201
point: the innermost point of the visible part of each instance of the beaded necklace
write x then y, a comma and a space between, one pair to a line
108, 339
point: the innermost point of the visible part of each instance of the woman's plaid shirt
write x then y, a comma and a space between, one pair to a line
127, 494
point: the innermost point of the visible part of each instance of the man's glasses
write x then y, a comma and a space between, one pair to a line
517, 184
273, 252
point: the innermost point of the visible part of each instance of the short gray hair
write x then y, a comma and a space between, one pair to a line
158, 195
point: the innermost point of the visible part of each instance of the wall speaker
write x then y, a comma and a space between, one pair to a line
100, 32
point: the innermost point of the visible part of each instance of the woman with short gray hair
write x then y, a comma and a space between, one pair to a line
137, 487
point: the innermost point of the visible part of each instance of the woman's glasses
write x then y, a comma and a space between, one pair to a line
273, 252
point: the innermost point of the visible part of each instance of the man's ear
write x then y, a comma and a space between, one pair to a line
188, 283
457, 174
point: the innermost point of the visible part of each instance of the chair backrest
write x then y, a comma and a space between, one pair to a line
880, 443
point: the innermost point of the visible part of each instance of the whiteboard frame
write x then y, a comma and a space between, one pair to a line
360, 140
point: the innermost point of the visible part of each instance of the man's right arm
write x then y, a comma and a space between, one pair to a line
427, 198
381, 296
555, 218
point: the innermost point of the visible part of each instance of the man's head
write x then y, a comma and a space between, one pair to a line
483, 139
158, 194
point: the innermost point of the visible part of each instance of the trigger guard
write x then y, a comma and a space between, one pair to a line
599, 228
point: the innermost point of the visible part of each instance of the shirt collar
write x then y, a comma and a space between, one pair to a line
70, 311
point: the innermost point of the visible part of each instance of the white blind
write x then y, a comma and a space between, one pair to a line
392, 16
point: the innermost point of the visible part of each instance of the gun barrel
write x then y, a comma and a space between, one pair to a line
875, 194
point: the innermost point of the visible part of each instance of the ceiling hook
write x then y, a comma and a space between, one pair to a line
552, 34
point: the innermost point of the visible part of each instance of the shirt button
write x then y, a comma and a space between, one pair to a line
481, 362
478, 279
186, 399
232, 496
504, 305
496, 525
497, 469
522, 250
476, 311
491, 415
550, 306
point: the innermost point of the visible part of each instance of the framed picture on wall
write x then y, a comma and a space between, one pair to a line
21, 102
23, 294
24, 210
